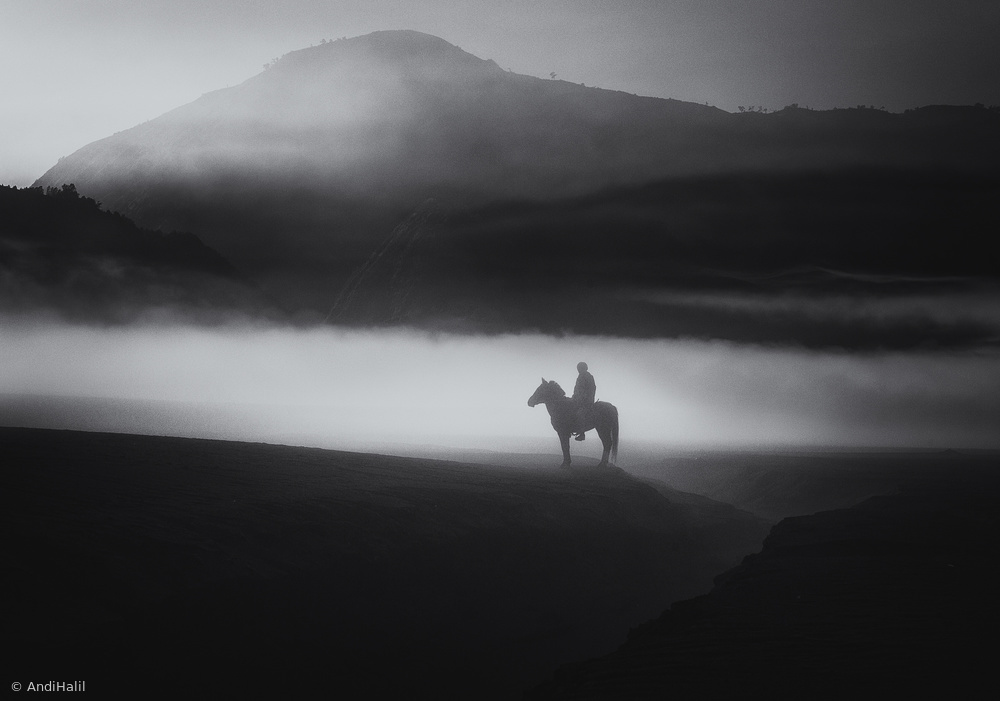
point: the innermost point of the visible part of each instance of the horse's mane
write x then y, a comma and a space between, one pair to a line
553, 383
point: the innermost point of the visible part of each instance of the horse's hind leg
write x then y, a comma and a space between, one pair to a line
605, 435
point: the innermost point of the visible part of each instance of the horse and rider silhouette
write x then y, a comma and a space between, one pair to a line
579, 414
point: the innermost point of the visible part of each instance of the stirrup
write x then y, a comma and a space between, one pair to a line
582, 436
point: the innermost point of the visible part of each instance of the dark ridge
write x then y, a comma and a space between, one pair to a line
61, 217
63, 253
892, 596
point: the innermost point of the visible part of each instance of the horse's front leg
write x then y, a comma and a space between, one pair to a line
564, 441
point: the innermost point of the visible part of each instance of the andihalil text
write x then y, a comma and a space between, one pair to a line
57, 686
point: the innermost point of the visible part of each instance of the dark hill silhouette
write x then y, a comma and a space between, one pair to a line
300, 172
62, 253
894, 595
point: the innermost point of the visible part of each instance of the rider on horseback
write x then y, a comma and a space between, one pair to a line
584, 393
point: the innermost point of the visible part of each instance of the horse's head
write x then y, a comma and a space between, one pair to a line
547, 391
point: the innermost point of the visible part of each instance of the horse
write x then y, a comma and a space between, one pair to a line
563, 412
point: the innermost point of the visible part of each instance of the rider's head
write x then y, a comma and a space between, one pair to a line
581, 367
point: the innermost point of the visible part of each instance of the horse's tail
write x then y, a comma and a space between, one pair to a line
614, 437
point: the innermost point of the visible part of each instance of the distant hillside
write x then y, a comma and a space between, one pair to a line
62, 254
300, 172
866, 259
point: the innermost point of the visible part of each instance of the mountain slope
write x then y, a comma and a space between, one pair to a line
305, 166
300, 172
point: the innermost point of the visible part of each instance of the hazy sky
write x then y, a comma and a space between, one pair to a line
78, 70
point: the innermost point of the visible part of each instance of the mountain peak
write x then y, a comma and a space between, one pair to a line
402, 40
399, 50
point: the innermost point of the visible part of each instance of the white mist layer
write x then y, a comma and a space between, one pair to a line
347, 389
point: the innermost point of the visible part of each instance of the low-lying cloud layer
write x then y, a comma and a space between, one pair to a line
344, 389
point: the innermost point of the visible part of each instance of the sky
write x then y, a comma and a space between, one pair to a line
78, 70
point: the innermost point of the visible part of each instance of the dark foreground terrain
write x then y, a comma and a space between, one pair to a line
173, 564
894, 597
169, 564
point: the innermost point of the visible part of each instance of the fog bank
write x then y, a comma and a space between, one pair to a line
346, 388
